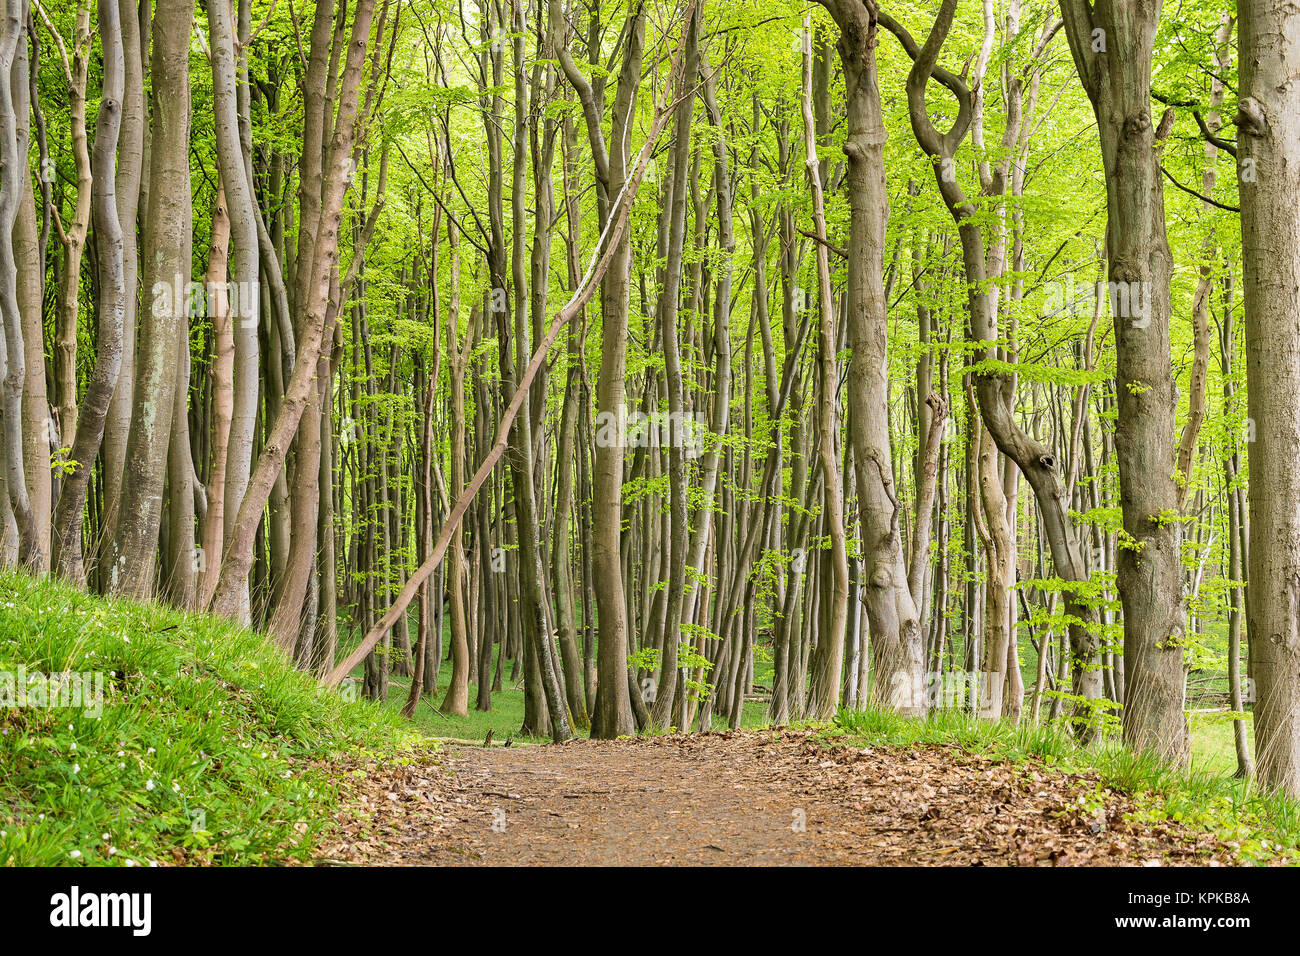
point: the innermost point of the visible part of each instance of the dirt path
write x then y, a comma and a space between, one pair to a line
751, 799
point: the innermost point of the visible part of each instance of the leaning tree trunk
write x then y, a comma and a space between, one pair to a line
230, 598
245, 305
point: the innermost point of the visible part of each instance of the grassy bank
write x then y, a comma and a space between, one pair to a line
201, 749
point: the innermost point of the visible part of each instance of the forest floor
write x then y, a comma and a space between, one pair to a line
748, 798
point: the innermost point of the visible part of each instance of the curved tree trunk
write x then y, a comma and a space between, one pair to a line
112, 305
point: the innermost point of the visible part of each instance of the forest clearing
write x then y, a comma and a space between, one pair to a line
650, 433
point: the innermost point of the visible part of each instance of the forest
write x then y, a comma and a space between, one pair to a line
566, 368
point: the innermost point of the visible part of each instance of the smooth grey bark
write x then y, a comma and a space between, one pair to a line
38, 424
132, 552
127, 189
245, 305
897, 642
232, 584
1268, 142
109, 253
677, 540
823, 694
1149, 565
13, 369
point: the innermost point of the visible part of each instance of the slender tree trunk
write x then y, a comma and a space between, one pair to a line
166, 248
68, 513
232, 584
130, 171
897, 643
13, 361
678, 538
612, 716
823, 696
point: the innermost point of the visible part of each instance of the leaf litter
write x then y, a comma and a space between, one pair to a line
745, 798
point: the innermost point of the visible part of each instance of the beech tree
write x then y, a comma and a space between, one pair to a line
621, 363
1267, 157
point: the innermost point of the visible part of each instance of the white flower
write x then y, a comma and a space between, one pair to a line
76, 768
149, 785
75, 854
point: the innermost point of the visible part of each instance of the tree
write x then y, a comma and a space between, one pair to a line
1112, 48
1268, 109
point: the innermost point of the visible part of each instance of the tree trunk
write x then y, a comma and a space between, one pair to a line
166, 249
1268, 124
1150, 574
897, 643
69, 511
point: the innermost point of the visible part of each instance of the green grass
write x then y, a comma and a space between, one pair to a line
1205, 796
504, 719
1213, 749
203, 750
